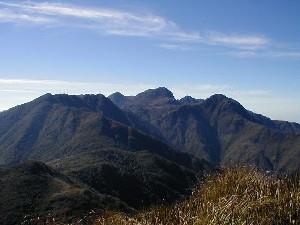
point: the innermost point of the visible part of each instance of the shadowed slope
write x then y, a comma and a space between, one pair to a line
138, 178
218, 129
35, 189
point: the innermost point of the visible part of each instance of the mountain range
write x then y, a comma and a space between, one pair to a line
218, 129
76, 153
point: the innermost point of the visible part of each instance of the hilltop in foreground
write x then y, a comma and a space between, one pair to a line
237, 196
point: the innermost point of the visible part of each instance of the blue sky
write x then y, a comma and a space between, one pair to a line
248, 50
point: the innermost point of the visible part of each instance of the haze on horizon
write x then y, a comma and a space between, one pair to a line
247, 50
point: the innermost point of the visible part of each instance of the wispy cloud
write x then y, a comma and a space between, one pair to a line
173, 46
105, 20
280, 54
37, 87
247, 42
119, 22
11, 16
242, 54
268, 53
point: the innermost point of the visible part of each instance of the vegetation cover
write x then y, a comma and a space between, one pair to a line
234, 196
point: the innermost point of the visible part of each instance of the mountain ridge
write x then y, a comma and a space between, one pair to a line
214, 128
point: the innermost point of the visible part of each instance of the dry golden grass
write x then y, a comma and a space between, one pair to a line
235, 197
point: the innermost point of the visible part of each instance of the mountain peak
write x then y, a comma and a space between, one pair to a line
218, 97
190, 100
226, 104
116, 94
156, 93
117, 98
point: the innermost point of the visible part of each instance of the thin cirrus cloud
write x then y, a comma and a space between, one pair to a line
117, 22
10, 16
122, 23
173, 46
250, 42
286, 54
264, 54
105, 20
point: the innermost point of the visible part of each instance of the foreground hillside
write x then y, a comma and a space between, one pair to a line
239, 196
33, 189
112, 180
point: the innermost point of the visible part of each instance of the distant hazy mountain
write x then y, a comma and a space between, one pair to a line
218, 129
